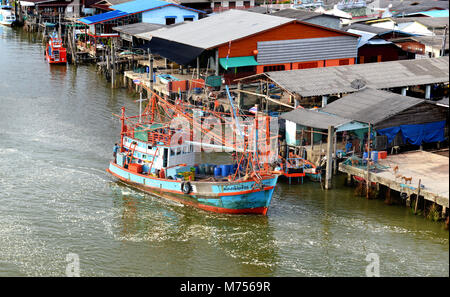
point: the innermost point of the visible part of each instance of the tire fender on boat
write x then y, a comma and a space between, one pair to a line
186, 187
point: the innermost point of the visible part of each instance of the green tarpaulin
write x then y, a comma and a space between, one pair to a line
238, 62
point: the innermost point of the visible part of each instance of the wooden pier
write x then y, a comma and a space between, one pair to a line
431, 169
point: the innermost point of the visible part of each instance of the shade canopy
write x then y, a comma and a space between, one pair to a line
238, 62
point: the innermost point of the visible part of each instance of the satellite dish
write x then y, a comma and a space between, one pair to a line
358, 84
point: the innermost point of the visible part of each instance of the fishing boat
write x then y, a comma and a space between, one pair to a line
152, 157
7, 16
297, 167
55, 52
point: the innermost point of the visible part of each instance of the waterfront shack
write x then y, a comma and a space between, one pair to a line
425, 46
146, 11
397, 120
307, 130
422, 78
326, 20
372, 48
414, 25
239, 43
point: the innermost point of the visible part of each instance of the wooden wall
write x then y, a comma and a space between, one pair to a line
419, 114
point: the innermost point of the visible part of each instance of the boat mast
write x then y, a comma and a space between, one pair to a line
122, 128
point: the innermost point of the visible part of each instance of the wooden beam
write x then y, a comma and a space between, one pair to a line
266, 97
328, 172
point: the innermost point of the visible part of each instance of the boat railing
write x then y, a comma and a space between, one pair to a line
156, 137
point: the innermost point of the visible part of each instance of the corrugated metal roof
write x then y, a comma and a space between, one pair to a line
334, 80
139, 5
314, 118
300, 14
372, 29
103, 17
433, 13
137, 28
144, 5
443, 102
371, 106
368, 38
433, 23
219, 28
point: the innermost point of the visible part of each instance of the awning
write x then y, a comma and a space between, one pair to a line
104, 17
177, 52
238, 62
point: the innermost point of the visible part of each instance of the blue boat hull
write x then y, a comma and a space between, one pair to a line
238, 197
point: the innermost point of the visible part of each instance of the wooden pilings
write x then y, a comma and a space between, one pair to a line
328, 172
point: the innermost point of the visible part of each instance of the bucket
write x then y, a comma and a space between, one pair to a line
375, 156
382, 154
217, 171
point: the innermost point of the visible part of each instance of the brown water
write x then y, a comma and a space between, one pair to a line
56, 138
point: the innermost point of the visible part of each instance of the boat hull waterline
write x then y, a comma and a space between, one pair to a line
236, 197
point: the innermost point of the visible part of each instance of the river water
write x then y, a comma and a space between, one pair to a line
56, 136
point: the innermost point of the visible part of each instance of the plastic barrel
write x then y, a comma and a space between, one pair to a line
365, 155
217, 171
224, 170
375, 156
211, 169
230, 169
197, 170
201, 168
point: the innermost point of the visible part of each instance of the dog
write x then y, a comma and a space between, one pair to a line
407, 179
395, 169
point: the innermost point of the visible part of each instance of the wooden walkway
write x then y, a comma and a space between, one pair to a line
432, 169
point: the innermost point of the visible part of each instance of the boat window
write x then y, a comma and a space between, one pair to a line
149, 147
172, 152
144, 157
178, 150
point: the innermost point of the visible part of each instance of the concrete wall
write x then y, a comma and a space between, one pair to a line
158, 16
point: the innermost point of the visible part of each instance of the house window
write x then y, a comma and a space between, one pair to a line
274, 68
188, 18
344, 62
232, 5
307, 65
247, 4
170, 20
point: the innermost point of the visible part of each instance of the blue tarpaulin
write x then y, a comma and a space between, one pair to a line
416, 134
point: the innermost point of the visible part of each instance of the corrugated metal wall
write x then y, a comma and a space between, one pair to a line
310, 49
